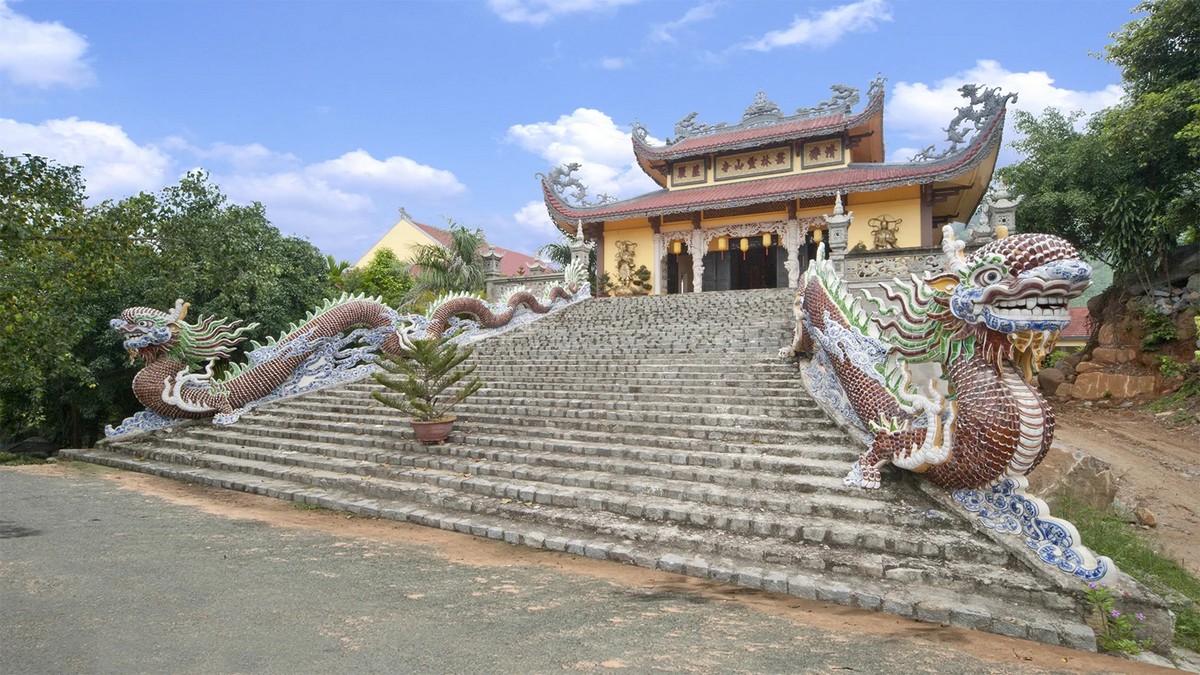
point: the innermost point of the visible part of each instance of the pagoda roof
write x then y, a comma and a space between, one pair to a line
762, 124
855, 177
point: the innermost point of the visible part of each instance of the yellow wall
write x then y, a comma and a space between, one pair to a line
400, 239
638, 231
903, 203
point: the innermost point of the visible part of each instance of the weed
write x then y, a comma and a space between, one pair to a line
13, 459
1117, 630
1159, 328
303, 506
1106, 534
1170, 368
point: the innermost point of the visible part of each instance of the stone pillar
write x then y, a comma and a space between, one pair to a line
492, 260
595, 232
580, 248
656, 263
1001, 208
698, 250
839, 227
792, 240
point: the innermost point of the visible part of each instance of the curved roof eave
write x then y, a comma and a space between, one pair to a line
755, 136
869, 178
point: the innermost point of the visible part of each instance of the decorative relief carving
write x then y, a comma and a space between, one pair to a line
883, 231
892, 267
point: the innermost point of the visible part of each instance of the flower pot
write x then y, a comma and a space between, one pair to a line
433, 431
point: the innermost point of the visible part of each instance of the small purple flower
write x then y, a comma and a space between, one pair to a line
1094, 587
1114, 613
1141, 617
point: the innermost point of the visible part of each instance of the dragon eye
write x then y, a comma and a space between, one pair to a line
988, 276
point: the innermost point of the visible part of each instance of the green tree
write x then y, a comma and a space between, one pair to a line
384, 277
66, 269
457, 266
1126, 189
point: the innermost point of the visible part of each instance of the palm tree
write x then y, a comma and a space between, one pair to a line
334, 269
557, 252
457, 266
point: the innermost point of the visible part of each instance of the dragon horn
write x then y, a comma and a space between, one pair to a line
953, 250
179, 312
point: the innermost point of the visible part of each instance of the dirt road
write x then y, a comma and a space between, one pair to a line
1158, 466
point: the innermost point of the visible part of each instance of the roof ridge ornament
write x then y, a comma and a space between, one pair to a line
843, 101
983, 107
762, 107
570, 189
689, 127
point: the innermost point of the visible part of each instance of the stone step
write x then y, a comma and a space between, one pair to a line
1045, 617
601, 367
818, 479
384, 431
768, 510
605, 395
352, 404
502, 403
729, 390
679, 437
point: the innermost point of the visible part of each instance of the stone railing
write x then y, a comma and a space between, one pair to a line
498, 287
869, 267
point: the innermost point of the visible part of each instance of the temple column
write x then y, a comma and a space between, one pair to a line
656, 267
698, 250
595, 232
791, 243
839, 227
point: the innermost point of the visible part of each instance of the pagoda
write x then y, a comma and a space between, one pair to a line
744, 205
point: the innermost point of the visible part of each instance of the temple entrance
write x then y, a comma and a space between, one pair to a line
758, 267
679, 273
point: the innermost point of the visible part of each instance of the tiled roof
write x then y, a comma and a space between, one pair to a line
1080, 327
735, 137
852, 178
509, 264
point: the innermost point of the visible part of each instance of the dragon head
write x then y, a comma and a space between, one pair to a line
150, 333
1012, 294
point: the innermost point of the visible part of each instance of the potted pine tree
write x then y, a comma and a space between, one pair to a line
420, 376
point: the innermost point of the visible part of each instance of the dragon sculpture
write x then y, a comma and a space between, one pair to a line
180, 380
987, 322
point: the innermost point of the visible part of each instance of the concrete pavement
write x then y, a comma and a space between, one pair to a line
97, 578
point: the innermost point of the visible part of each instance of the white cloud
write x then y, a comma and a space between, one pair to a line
615, 63
589, 137
665, 32
825, 28
535, 221
40, 54
393, 173
918, 112
539, 12
114, 166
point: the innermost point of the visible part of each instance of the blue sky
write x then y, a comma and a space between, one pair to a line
335, 114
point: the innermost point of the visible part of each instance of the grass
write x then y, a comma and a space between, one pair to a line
1107, 534
13, 459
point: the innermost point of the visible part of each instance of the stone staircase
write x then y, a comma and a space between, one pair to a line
657, 431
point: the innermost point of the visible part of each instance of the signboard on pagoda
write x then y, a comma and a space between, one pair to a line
824, 152
754, 163
691, 172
